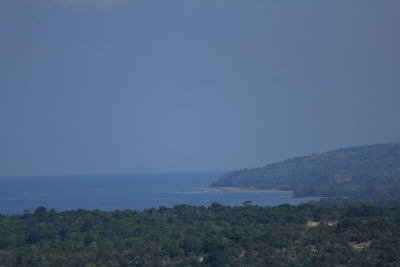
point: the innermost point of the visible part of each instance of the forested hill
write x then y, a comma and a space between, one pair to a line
364, 171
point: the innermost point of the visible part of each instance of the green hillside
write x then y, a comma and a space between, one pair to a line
363, 172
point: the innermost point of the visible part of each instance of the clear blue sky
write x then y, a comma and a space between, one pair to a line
105, 86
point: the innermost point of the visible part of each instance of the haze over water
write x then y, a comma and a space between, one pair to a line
115, 86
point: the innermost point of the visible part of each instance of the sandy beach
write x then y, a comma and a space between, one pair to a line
250, 190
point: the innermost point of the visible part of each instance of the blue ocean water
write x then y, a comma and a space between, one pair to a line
124, 191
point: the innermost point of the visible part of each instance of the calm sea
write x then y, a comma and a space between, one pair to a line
123, 191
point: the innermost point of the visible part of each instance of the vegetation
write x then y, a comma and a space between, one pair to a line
184, 235
359, 173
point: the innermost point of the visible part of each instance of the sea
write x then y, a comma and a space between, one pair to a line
125, 191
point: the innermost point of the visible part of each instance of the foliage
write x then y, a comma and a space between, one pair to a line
249, 235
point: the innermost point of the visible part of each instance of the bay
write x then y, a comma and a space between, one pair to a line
125, 191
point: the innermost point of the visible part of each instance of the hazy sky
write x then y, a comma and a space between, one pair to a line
103, 86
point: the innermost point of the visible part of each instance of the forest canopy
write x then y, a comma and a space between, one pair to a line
248, 235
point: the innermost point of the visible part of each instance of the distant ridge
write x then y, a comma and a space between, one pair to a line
371, 171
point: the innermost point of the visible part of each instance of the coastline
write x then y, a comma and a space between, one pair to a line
249, 190
232, 189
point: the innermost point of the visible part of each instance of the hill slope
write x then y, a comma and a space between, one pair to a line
372, 170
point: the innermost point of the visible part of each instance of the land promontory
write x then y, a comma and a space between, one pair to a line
369, 172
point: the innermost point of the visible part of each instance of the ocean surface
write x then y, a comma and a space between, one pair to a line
124, 191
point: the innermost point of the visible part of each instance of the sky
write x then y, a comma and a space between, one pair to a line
121, 86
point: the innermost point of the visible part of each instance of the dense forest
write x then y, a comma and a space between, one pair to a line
248, 235
368, 173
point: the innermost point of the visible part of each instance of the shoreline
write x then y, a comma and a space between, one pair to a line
232, 189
